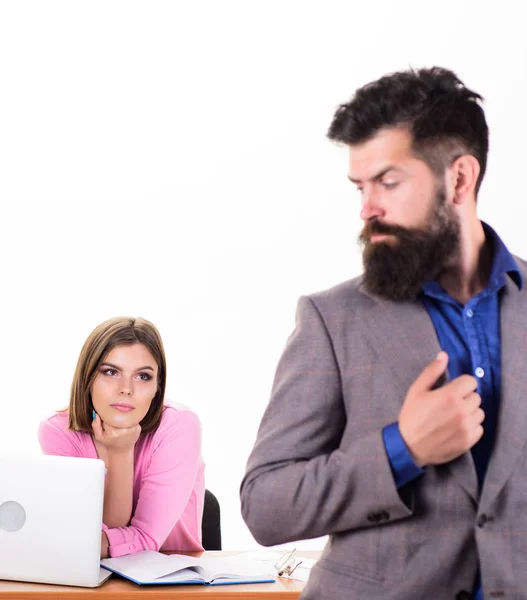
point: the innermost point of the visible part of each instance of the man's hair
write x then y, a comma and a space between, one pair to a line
443, 116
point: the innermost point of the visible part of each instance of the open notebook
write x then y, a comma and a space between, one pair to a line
153, 568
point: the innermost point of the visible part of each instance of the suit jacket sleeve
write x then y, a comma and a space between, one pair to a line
299, 482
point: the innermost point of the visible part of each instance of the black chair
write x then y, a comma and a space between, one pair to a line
210, 524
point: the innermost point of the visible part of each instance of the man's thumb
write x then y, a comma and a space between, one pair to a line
432, 372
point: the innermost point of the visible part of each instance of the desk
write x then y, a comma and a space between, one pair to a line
117, 588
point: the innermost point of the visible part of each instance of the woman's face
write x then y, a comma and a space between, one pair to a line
125, 385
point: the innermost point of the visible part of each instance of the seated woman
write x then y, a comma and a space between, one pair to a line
154, 488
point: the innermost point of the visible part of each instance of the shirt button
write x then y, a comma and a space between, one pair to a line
131, 547
469, 313
480, 372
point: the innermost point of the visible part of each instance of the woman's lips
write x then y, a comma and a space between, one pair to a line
122, 407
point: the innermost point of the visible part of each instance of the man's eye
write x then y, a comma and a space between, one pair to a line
389, 185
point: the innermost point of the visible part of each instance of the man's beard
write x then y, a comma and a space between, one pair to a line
397, 268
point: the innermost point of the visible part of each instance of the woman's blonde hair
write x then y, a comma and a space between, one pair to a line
118, 331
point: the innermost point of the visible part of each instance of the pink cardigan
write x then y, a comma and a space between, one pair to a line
169, 483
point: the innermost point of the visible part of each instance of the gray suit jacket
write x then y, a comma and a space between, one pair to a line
319, 465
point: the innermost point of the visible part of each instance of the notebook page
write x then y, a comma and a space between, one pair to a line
149, 565
233, 567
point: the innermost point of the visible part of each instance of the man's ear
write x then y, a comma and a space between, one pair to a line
464, 173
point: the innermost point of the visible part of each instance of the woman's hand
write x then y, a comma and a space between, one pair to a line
115, 440
104, 545
115, 446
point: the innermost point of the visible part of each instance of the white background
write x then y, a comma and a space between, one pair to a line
169, 160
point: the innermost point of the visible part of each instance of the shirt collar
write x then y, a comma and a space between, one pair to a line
503, 263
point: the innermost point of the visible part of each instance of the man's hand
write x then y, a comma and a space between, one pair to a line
440, 425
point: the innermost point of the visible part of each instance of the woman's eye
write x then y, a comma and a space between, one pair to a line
145, 377
110, 372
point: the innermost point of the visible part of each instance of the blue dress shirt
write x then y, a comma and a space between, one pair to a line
470, 335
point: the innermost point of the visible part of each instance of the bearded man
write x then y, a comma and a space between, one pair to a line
398, 416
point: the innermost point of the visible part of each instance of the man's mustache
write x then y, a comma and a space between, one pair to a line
380, 228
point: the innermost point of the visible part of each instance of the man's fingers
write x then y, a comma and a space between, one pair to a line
431, 373
472, 402
464, 385
478, 433
480, 416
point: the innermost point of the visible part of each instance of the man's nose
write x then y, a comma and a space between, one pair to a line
371, 206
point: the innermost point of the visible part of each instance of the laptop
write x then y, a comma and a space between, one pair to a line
51, 520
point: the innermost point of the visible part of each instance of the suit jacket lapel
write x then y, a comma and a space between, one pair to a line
511, 429
404, 336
